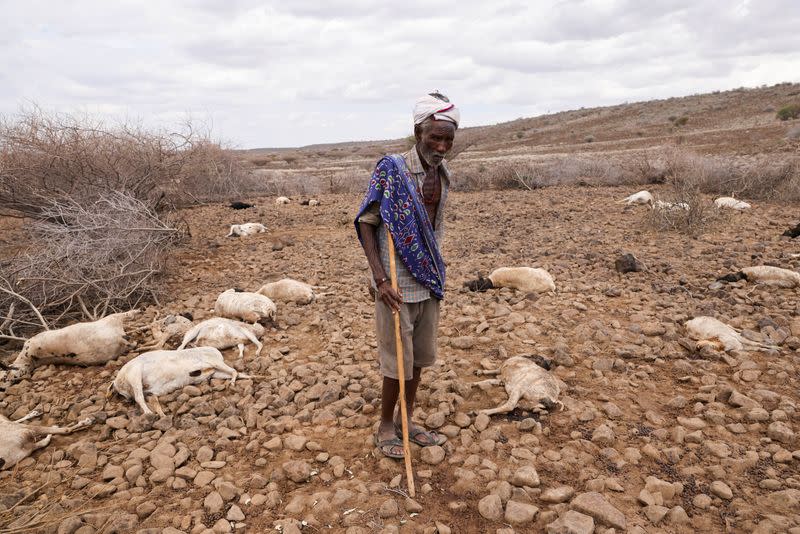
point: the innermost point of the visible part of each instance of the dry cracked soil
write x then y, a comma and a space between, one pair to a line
655, 436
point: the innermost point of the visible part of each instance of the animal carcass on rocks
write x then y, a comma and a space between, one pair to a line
288, 290
222, 333
524, 379
18, 441
245, 306
731, 203
642, 197
767, 275
89, 343
161, 371
713, 333
169, 331
239, 230
526, 279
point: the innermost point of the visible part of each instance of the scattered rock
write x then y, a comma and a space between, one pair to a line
571, 522
627, 263
595, 505
491, 507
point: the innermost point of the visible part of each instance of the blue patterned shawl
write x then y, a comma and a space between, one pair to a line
406, 219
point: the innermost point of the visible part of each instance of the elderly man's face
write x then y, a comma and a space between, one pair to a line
434, 140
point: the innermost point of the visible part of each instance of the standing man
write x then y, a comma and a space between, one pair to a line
406, 197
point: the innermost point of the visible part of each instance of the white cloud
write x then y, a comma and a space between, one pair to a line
290, 73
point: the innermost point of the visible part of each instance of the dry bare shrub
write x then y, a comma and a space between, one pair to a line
725, 176
103, 255
45, 156
534, 174
698, 215
208, 173
345, 181
644, 168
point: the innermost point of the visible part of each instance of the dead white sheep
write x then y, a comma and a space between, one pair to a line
313, 202
524, 378
282, 200
222, 333
163, 371
169, 331
18, 441
245, 306
731, 203
288, 290
89, 343
642, 197
240, 230
670, 206
526, 279
767, 275
710, 332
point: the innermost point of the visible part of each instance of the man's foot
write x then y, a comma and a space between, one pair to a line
420, 436
391, 448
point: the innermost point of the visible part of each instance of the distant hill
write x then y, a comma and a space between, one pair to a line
740, 121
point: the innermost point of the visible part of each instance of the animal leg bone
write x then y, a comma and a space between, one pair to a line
507, 406
60, 429
487, 372
157, 405
485, 384
33, 414
253, 339
240, 346
138, 396
42, 443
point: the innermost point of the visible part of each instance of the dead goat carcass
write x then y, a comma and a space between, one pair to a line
222, 333
162, 371
18, 441
169, 331
524, 378
245, 306
90, 343
526, 279
765, 274
710, 332
239, 230
238, 205
642, 197
288, 290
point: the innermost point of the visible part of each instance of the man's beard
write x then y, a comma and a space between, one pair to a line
428, 156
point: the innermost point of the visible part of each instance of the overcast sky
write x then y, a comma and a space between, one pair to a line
297, 72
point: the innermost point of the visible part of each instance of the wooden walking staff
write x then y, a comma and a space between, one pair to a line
398, 343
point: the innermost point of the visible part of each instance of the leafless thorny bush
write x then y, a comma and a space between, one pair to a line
337, 181
345, 181
530, 174
685, 209
100, 257
45, 156
726, 176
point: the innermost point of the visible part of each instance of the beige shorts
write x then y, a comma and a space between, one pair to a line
419, 322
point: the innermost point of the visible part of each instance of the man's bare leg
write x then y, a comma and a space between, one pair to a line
389, 396
411, 397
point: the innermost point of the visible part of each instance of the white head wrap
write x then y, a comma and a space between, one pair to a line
437, 106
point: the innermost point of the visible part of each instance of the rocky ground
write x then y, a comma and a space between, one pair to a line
655, 436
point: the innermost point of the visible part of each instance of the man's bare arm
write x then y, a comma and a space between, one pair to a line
369, 238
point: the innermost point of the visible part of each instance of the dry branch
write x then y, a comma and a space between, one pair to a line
106, 260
